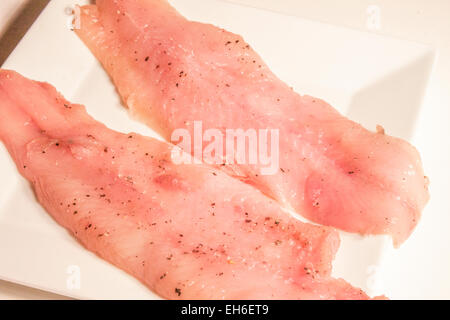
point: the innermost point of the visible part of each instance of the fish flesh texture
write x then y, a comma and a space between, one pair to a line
171, 72
185, 231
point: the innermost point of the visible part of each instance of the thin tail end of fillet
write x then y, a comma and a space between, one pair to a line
103, 45
31, 110
16, 130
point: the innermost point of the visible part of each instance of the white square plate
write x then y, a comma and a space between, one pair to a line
372, 79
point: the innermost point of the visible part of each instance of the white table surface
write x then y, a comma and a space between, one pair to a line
426, 21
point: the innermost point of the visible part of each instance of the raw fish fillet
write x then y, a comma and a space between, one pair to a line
186, 231
171, 72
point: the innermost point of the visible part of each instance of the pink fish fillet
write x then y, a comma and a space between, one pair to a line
171, 72
186, 231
